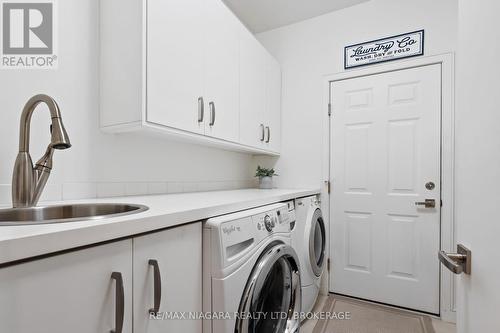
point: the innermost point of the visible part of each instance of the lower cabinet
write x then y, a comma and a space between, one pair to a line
100, 289
73, 292
168, 264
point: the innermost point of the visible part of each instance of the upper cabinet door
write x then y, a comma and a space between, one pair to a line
175, 63
253, 60
273, 127
73, 292
173, 258
222, 72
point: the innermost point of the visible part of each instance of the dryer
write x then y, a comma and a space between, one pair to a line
309, 241
251, 273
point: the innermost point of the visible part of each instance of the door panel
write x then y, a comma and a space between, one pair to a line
175, 62
385, 148
358, 242
178, 254
222, 71
72, 292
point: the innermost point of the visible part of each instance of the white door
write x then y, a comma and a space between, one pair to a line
253, 61
174, 258
385, 149
73, 292
222, 72
175, 63
477, 170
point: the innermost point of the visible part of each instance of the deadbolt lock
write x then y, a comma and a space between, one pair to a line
430, 186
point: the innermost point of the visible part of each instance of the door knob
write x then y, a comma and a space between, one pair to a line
459, 262
428, 203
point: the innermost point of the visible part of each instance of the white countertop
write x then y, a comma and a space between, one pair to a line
21, 242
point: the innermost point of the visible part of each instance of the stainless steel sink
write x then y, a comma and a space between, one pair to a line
66, 213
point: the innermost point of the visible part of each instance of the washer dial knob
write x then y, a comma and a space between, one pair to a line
268, 222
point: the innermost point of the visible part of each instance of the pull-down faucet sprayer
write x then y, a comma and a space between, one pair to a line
28, 181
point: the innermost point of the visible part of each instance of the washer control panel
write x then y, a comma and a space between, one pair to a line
236, 233
266, 221
278, 220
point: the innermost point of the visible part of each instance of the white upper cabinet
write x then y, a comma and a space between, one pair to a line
222, 73
189, 69
260, 96
175, 62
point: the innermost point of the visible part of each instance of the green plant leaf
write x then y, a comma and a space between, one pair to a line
264, 172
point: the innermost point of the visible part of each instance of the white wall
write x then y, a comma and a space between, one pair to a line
311, 49
100, 164
477, 169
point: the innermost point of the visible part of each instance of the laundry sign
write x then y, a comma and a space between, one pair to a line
385, 49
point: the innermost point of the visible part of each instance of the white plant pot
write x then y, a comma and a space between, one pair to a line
266, 183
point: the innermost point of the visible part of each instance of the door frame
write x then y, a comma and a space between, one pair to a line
447, 237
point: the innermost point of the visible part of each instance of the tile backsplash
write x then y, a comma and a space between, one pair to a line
90, 190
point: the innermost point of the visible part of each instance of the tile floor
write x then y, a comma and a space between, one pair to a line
439, 326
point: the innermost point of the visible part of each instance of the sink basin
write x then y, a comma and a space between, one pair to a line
66, 213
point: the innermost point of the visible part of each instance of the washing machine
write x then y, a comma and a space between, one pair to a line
309, 241
251, 274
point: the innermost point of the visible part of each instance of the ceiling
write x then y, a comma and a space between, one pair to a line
263, 15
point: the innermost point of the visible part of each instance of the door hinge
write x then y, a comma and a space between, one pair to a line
328, 186
329, 109
328, 264
441, 202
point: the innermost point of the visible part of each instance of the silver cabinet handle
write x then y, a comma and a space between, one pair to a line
119, 302
268, 134
156, 286
212, 113
457, 262
262, 131
201, 109
428, 203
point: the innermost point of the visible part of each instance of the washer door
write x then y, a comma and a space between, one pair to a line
272, 298
317, 243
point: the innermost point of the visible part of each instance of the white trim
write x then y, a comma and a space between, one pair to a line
447, 296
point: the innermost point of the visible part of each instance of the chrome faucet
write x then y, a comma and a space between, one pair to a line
28, 181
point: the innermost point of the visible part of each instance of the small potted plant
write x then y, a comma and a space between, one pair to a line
265, 177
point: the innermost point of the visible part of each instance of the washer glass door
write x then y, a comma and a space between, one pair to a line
272, 298
317, 243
